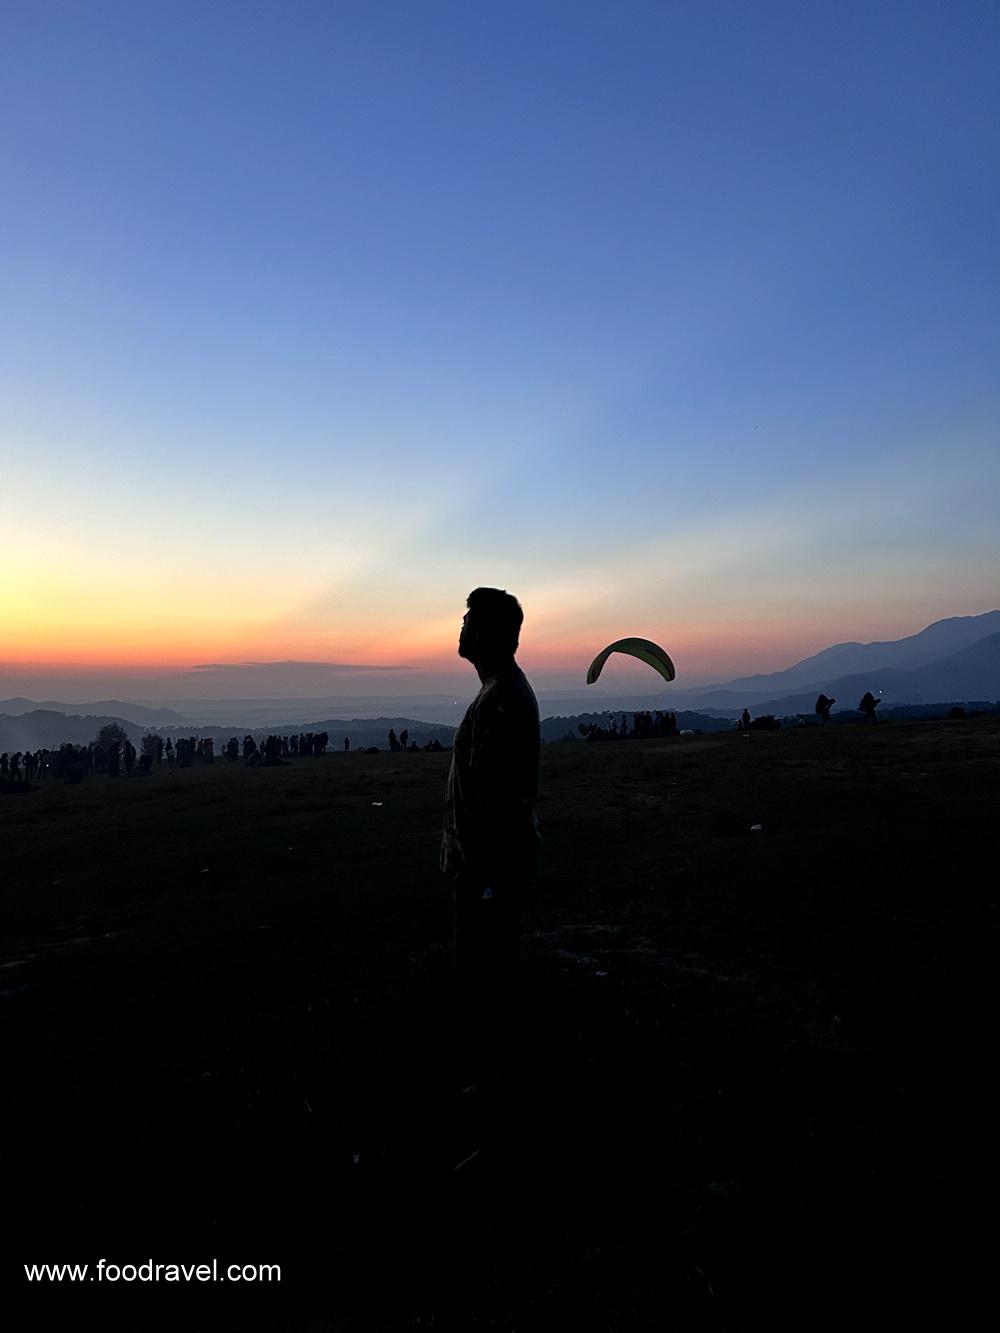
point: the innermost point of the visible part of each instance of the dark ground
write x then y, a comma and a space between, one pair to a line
751, 1077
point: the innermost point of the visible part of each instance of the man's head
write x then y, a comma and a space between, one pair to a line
491, 627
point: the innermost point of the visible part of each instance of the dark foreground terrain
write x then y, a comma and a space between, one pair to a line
750, 1076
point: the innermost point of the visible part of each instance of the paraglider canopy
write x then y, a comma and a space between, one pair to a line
650, 653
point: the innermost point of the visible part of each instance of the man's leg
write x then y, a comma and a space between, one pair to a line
487, 955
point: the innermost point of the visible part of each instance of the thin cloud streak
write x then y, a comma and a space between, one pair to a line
292, 663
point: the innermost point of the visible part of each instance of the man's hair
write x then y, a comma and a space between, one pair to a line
498, 617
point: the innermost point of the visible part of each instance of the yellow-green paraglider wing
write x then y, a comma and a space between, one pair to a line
650, 653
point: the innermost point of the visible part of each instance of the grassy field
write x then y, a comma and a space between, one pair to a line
750, 1072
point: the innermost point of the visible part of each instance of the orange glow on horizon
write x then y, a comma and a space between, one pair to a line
164, 649
130, 630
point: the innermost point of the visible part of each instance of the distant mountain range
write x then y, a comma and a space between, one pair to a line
972, 674
952, 660
102, 708
47, 729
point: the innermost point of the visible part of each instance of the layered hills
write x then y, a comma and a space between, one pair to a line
956, 659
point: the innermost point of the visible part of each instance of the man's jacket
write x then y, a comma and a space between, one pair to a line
490, 818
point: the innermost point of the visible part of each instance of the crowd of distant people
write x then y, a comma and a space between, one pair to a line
650, 725
71, 763
402, 744
645, 726
276, 750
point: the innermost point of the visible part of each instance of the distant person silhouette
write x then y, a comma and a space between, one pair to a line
490, 846
393, 742
404, 737
745, 719
347, 743
868, 705
823, 706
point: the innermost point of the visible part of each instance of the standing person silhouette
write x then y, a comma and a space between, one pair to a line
490, 846
868, 705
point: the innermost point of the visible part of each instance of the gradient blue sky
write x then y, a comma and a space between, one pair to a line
676, 319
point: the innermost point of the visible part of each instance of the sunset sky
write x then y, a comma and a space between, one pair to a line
674, 319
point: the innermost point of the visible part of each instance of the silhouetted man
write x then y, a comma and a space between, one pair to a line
823, 706
490, 846
745, 719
